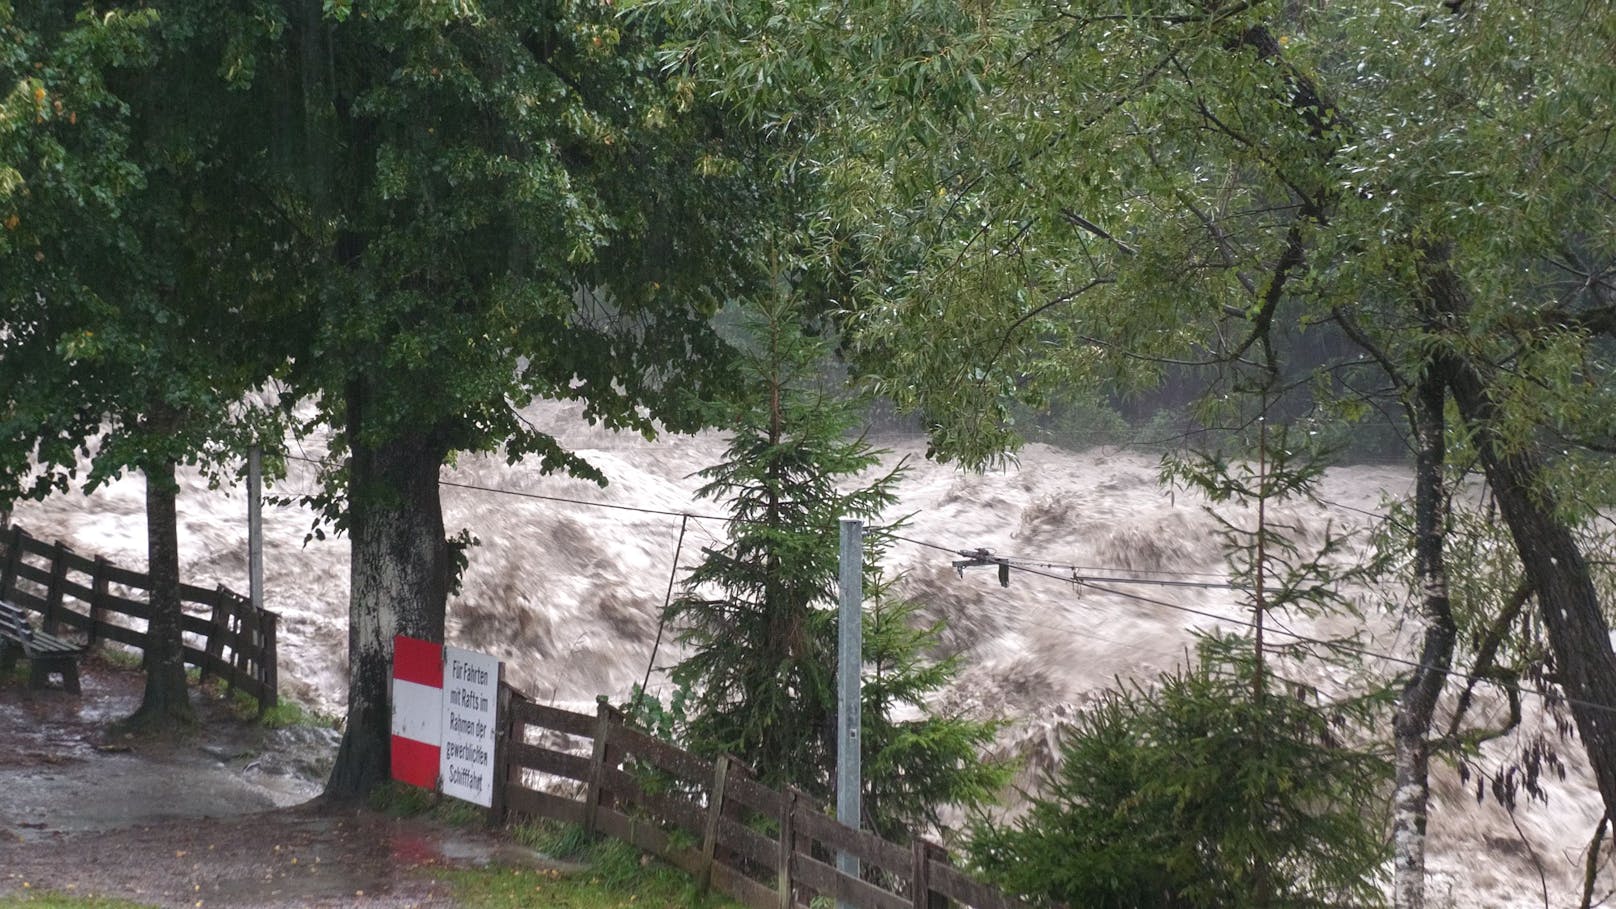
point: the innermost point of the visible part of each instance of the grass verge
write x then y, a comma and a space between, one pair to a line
615, 875
64, 901
611, 874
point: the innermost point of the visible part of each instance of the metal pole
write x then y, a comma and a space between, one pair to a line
849, 666
255, 527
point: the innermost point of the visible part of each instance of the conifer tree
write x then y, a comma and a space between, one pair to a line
758, 615
1223, 783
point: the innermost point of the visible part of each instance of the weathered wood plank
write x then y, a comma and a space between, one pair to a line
756, 796
833, 884
961, 888
121, 634
28, 544
190, 593
29, 601
663, 756
534, 803
742, 888
748, 844
119, 575
76, 562
666, 807
125, 606
869, 848
554, 718
83, 592
38, 574
545, 760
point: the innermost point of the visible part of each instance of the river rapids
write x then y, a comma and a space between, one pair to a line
568, 593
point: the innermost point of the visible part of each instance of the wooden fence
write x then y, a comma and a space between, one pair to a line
766, 849
224, 635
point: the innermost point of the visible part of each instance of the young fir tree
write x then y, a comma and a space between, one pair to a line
1223, 783
758, 616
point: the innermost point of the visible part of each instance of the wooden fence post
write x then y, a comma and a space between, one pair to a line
788, 844
53, 593
268, 671
244, 652
939, 855
218, 627
8, 577
924, 852
502, 751
597, 764
715, 811
919, 875
98, 597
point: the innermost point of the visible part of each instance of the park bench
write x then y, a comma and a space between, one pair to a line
47, 654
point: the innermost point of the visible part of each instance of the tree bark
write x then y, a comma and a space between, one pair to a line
399, 584
166, 701
1416, 706
1579, 636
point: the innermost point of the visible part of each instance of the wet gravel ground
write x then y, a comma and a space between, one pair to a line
222, 816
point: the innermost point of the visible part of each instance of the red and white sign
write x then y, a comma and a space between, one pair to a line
417, 711
445, 739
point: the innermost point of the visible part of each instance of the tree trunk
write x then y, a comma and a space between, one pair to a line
1579, 637
399, 585
166, 701
1416, 706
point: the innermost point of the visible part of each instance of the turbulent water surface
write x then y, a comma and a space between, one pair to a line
568, 593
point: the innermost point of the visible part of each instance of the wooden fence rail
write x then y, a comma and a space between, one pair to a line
224, 635
766, 849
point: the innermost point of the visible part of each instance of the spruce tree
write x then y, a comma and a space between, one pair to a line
1227, 782
758, 615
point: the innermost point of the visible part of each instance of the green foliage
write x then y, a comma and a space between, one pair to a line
1283, 573
912, 768
1223, 784
614, 875
138, 307
1076, 425
1193, 793
480, 246
758, 615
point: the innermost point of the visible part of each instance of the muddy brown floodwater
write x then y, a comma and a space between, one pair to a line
222, 816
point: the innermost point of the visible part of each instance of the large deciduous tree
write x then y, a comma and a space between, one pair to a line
511, 201
137, 309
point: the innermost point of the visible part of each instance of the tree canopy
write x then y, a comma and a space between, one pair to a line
507, 201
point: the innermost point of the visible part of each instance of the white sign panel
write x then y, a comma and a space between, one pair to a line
470, 714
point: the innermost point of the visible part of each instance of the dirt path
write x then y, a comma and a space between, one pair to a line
221, 817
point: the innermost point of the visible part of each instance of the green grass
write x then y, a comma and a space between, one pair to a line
615, 876
118, 656
403, 800
65, 901
245, 707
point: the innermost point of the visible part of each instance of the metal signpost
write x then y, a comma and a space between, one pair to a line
849, 666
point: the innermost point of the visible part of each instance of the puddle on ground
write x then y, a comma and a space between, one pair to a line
448, 846
62, 773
